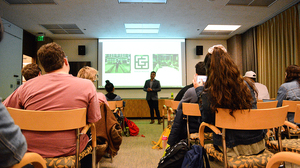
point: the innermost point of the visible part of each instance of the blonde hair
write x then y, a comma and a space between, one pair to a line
87, 72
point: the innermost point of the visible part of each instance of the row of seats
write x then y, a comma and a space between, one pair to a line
267, 116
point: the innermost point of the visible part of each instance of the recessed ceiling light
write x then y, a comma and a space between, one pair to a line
142, 1
141, 28
222, 27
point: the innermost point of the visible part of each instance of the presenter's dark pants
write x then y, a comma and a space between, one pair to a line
153, 105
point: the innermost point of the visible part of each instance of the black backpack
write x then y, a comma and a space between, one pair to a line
174, 155
194, 158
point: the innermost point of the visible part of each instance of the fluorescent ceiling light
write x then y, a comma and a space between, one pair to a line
143, 31
142, 28
222, 27
142, 1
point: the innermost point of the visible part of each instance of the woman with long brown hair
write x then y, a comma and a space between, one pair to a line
226, 88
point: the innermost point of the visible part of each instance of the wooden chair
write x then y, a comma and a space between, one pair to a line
192, 109
291, 145
31, 158
280, 157
292, 108
168, 111
242, 120
116, 107
264, 105
58, 121
269, 104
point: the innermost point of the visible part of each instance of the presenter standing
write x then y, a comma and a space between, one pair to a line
152, 86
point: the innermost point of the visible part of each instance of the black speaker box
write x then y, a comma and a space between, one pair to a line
81, 50
199, 50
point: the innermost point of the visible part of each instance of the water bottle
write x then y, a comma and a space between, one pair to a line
164, 142
127, 132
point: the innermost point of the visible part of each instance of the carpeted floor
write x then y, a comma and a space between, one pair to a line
136, 151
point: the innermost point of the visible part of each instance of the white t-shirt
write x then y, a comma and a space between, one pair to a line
262, 90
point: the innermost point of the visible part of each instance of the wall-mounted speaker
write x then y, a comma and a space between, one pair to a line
81, 50
199, 50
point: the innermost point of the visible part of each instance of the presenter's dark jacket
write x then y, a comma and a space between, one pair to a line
155, 88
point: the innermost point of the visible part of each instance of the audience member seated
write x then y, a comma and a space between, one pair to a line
13, 144
90, 73
110, 96
56, 90
179, 130
201, 71
31, 71
226, 88
262, 90
290, 89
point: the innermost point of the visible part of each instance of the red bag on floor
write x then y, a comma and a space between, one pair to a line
133, 128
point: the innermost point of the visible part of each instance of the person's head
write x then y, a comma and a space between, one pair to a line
51, 56
224, 82
152, 75
87, 72
292, 72
1, 30
31, 71
200, 68
251, 75
109, 87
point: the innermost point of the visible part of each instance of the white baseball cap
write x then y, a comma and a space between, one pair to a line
250, 74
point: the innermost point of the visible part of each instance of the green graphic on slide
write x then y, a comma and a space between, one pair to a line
141, 61
165, 60
117, 63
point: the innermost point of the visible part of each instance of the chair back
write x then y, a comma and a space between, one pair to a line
264, 118
61, 120
48, 120
292, 105
297, 114
276, 160
269, 104
174, 104
115, 104
168, 103
191, 109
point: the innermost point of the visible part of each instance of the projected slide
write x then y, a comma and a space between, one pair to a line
117, 63
128, 63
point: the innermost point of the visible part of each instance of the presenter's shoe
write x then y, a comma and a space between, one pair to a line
152, 121
159, 122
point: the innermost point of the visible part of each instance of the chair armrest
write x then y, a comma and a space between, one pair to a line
292, 125
85, 129
33, 158
117, 110
93, 132
280, 157
171, 110
94, 136
201, 131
